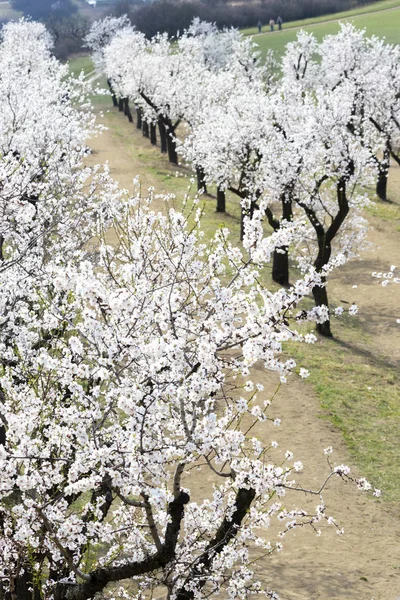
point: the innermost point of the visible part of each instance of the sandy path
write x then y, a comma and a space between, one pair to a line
364, 564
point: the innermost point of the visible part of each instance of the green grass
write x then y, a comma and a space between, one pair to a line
383, 23
360, 394
80, 63
373, 7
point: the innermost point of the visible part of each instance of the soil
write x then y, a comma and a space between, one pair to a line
364, 563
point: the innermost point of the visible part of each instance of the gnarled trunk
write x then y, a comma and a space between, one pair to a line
280, 260
320, 295
246, 212
280, 266
21, 587
228, 530
171, 146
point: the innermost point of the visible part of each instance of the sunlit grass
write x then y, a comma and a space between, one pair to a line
80, 63
359, 392
383, 24
361, 10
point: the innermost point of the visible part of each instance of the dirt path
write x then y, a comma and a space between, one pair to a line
364, 564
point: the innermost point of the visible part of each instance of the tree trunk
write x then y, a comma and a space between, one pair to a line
242, 216
221, 200
280, 261
381, 184
138, 118
201, 184
153, 134
163, 136
145, 129
121, 105
321, 299
171, 146
113, 96
280, 266
127, 110
228, 530
22, 588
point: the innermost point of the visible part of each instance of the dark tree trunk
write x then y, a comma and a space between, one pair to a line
383, 172
22, 588
113, 96
242, 216
227, 531
163, 136
280, 261
171, 146
127, 110
201, 184
145, 129
280, 266
102, 576
321, 299
138, 118
153, 134
221, 200
121, 105
320, 294
325, 239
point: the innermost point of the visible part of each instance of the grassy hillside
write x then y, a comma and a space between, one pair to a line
381, 18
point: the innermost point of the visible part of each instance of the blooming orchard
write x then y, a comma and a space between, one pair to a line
125, 367
307, 144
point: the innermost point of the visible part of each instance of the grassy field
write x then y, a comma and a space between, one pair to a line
369, 8
383, 22
80, 63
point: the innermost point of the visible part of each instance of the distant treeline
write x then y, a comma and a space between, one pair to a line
172, 16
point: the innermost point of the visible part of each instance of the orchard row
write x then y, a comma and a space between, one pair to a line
302, 140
